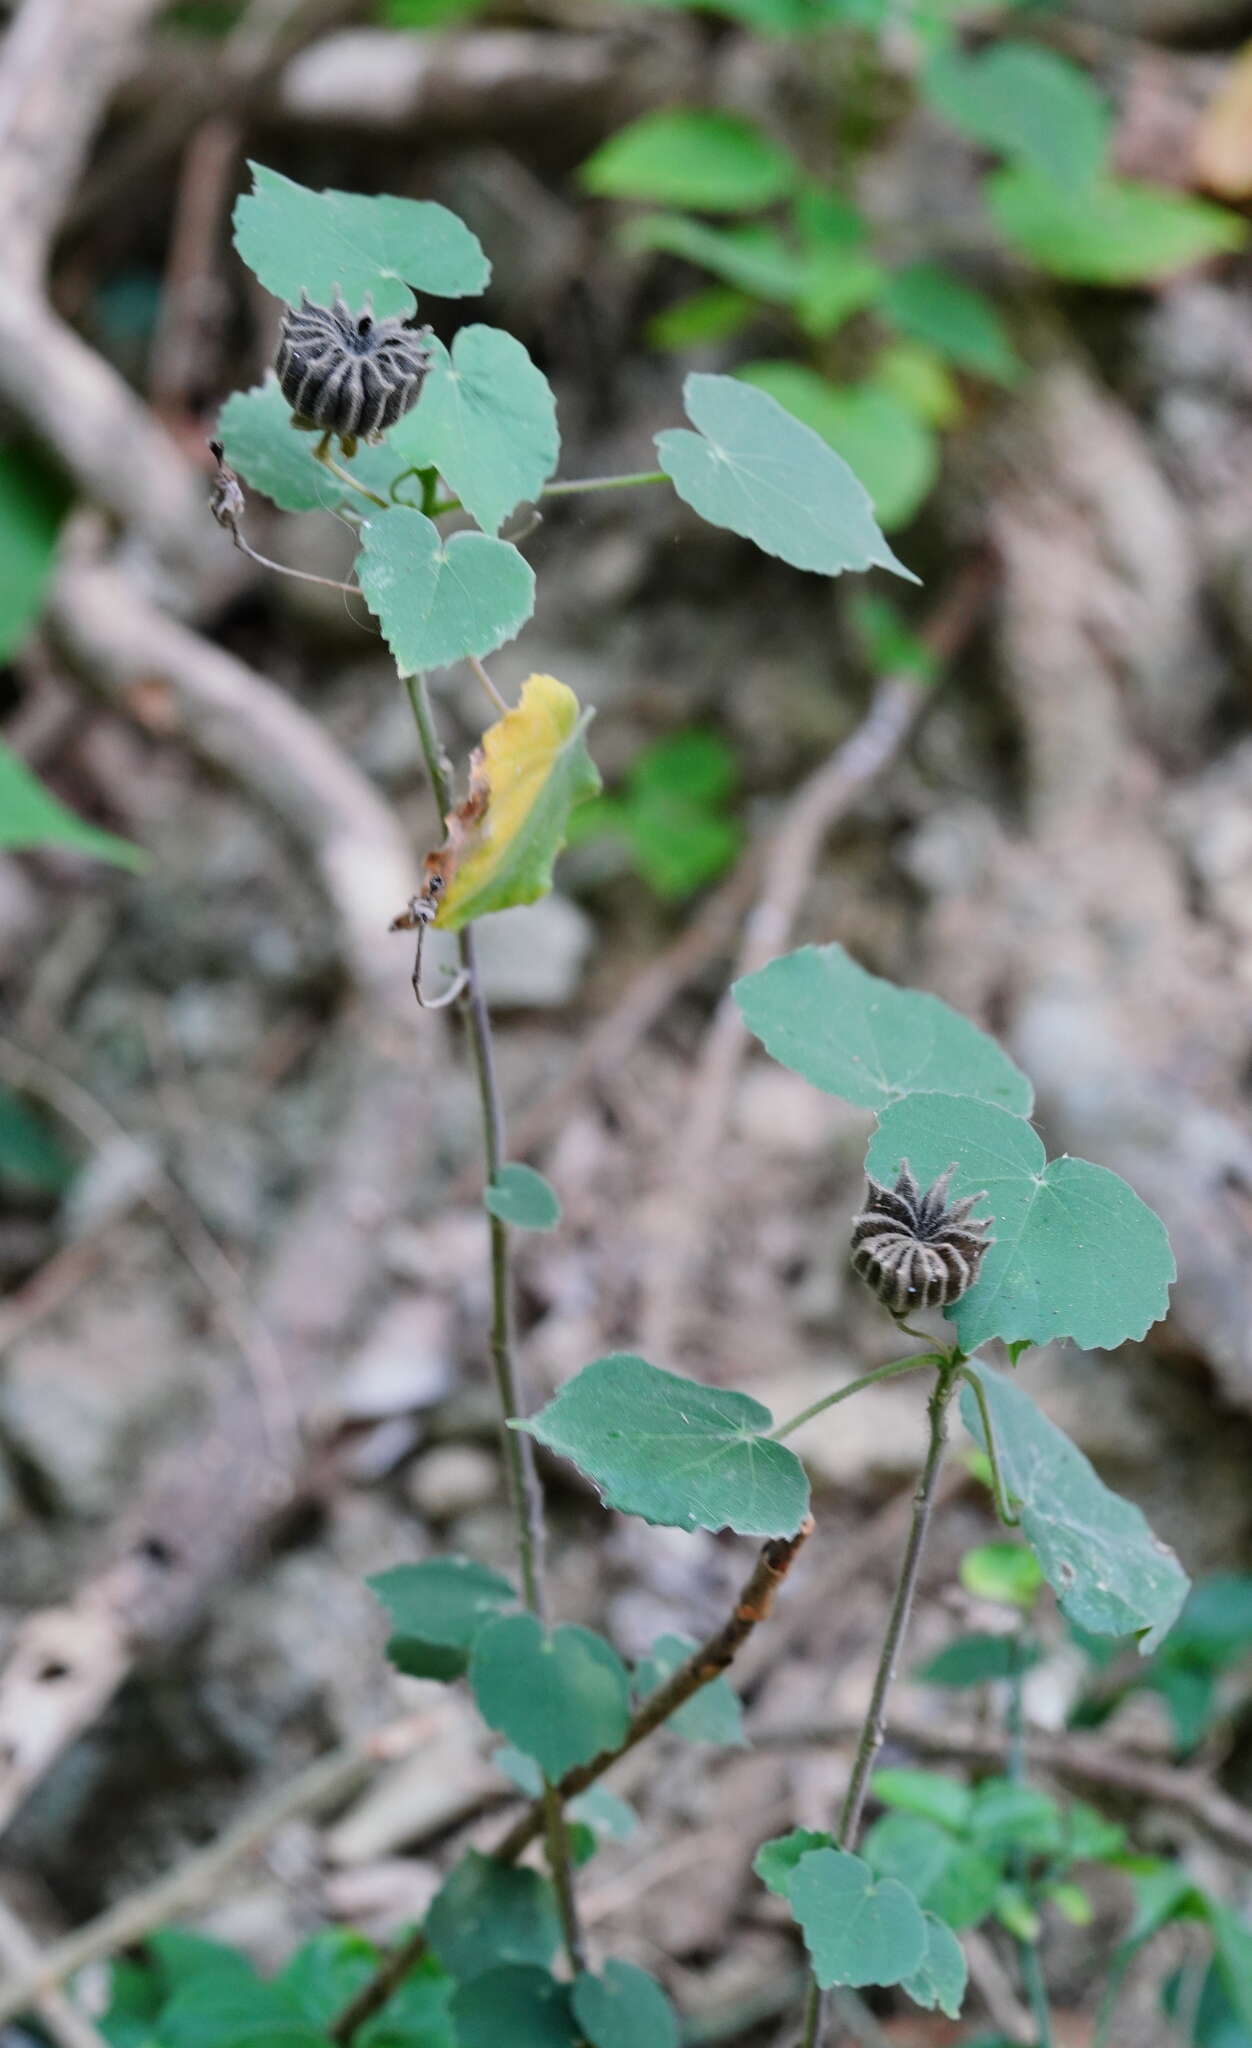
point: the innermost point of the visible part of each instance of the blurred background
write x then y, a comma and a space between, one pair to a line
997, 256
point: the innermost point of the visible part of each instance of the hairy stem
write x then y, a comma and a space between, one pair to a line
868, 1379
874, 1727
518, 1449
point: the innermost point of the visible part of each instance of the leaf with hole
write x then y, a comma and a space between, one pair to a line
440, 598
436, 1609
624, 2008
1113, 232
686, 156
674, 1452
559, 1695
854, 1035
1110, 1574
486, 420
533, 770
32, 818
751, 467
858, 1930
523, 1198
1027, 103
1076, 1253
517, 2004
276, 459
714, 1714
941, 1976
383, 249
887, 447
486, 1913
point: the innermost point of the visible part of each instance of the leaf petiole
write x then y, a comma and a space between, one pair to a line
868, 1379
1003, 1510
566, 487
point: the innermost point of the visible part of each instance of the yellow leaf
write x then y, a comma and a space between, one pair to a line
530, 772
1223, 144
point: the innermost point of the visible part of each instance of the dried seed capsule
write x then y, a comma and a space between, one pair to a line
349, 374
914, 1248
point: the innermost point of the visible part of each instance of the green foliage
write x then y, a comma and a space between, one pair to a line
925, 1794
486, 1913
1026, 102
710, 315
674, 1452
891, 646
931, 305
858, 1929
978, 1659
1213, 1633
430, 13
672, 813
713, 1714
754, 259
32, 1159
854, 1035
753, 468
486, 420
33, 503
1076, 1253
947, 1874
31, 817
1109, 1572
624, 2008
440, 598
382, 249
436, 1610
713, 162
559, 1695
941, 1976
256, 432
518, 2004
887, 447
1006, 1572
775, 1862
520, 1196
1112, 232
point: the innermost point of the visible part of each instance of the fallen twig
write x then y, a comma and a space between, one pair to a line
62, 2021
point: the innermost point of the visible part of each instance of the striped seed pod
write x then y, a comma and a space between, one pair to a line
349, 374
914, 1247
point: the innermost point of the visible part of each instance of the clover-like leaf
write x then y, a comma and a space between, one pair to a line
1111, 1575
436, 1609
486, 421
624, 2008
516, 2003
674, 1452
857, 1930
753, 468
439, 599
714, 1714
1113, 231
854, 1035
559, 1695
1076, 1253
522, 1197
30, 816
276, 459
941, 1976
383, 249
486, 1913
534, 769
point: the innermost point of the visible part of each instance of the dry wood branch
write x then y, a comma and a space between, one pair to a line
64, 2023
808, 818
700, 1669
1077, 1759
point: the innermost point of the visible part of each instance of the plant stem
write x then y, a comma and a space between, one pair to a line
1028, 1951
874, 1727
323, 455
519, 1454
499, 702
568, 486
868, 1379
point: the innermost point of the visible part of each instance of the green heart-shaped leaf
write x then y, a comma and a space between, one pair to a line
1076, 1253
486, 421
854, 1035
753, 468
522, 1197
941, 1976
382, 249
436, 1609
776, 1862
1109, 1572
674, 1452
714, 1714
624, 2008
857, 1930
559, 1695
516, 2003
439, 600
277, 459
486, 1913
